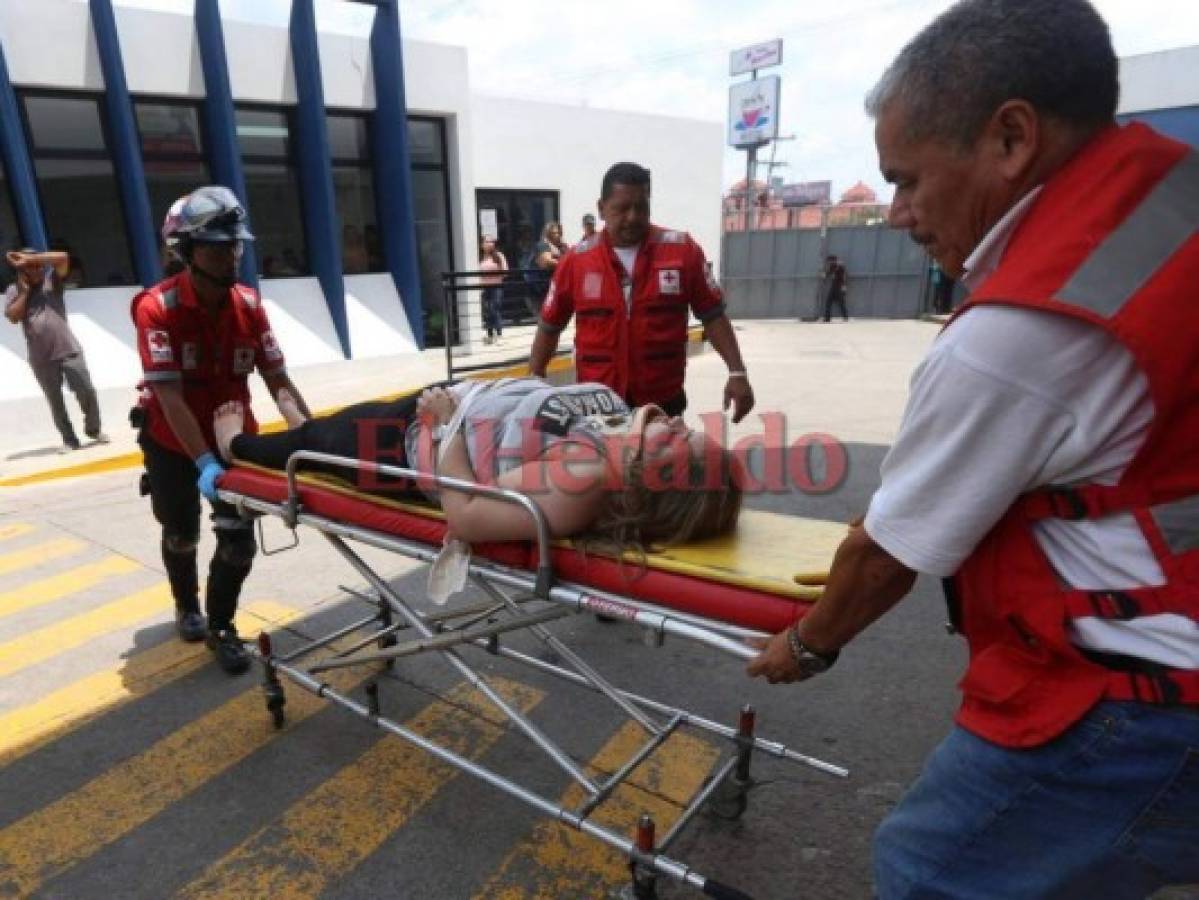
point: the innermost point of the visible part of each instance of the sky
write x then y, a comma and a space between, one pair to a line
671, 57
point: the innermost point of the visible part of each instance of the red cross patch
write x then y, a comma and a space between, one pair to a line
159, 343
270, 346
669, 281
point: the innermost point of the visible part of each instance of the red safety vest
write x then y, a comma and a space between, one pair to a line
1113, 239
211, 360
640, 352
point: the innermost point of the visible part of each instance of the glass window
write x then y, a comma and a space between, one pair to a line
10, 235
519, 217
65, 123
425, 142
431, 207
78, 188
172, 153
354, 193
348, 141
273, 192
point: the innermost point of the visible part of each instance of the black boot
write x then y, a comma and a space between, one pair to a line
230, 652
185, 588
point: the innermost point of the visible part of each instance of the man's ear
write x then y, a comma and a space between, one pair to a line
1015, 131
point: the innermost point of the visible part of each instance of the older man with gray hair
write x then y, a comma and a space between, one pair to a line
1047, 467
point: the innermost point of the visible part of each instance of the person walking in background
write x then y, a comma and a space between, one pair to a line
588, 228
37, 301
633, 284
542, 261
493, 262
835, 288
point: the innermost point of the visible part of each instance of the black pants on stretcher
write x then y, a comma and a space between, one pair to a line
373, 431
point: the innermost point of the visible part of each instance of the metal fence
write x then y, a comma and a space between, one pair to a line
777, 274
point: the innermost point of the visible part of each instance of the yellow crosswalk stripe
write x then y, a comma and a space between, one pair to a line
36, 646
323, 836
47, 590
51, 840
38, 554
14, 529
25, 729
556, 861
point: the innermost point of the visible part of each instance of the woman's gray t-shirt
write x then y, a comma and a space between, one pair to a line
512, 420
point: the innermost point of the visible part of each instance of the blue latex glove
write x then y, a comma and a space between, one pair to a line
210, 471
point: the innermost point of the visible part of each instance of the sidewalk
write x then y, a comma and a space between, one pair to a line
813, 373
29, 443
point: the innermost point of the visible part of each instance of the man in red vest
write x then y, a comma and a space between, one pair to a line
1047, 466
630, 288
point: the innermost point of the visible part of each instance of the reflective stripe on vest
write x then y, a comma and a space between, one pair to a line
1141, 245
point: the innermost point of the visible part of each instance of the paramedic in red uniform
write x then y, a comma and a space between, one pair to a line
1047, 465
200, 335
630, 287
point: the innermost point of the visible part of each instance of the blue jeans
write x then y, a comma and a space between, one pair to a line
1109, 809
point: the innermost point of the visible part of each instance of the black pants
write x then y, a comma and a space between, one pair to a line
175, 500
373, 431
835, 298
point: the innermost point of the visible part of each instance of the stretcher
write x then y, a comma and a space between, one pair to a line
714, 593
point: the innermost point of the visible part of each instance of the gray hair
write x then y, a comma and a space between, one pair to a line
950, 78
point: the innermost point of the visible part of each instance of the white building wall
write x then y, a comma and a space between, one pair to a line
491, 143
1165, 80
525, 144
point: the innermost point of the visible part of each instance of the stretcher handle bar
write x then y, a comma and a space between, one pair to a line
445, 639
697, 802
664, 865
774, 748
665, 621
655, 741
545, 571
478, 682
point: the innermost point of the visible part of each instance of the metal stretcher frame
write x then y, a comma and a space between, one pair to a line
526, 601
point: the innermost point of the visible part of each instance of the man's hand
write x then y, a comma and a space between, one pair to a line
775, 663
739, 393
15, 258
210, 470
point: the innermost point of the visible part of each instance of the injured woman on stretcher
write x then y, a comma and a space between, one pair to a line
595, 468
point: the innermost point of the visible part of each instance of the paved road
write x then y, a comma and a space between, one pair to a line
131, 767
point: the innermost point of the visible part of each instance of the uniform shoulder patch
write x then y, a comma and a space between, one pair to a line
672, 237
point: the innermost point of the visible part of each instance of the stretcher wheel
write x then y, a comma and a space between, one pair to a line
729, 801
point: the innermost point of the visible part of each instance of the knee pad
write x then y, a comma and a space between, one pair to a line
236, 547
180, 543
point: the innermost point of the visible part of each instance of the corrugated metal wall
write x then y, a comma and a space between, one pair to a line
778, 274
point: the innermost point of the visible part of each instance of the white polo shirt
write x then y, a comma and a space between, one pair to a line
1008, 400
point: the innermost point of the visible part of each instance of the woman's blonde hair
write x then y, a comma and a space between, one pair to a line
641, 515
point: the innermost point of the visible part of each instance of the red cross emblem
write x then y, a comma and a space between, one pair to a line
668, 281
159, 343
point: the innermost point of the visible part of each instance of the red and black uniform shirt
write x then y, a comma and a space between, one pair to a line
211, 357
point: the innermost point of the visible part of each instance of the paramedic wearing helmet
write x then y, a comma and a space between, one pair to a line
200, 335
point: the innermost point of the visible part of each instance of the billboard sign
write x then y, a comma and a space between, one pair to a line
806, 193
753, 111
759, 56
